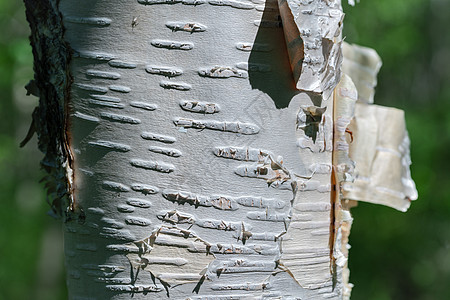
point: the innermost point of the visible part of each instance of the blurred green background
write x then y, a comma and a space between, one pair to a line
394, 255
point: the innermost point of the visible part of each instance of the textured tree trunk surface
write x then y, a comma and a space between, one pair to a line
194, 146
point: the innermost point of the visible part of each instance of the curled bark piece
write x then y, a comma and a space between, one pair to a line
313, 36
362, 65
379, 144
380, 150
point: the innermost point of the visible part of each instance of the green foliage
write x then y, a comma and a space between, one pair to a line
396, 255
24, 223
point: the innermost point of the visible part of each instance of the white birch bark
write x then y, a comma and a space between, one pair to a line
186, 169
199, 165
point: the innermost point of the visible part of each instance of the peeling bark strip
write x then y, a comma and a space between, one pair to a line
362, 65
381, 152
371, 150
345, 97
52, 77
313, 37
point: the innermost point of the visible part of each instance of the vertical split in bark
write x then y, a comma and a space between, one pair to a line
371, 149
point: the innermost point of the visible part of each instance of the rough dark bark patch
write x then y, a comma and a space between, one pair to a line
52, 77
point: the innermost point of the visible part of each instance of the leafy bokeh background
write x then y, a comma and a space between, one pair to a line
31, 252
393, 256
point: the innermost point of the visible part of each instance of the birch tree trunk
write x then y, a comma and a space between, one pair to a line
189, 146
